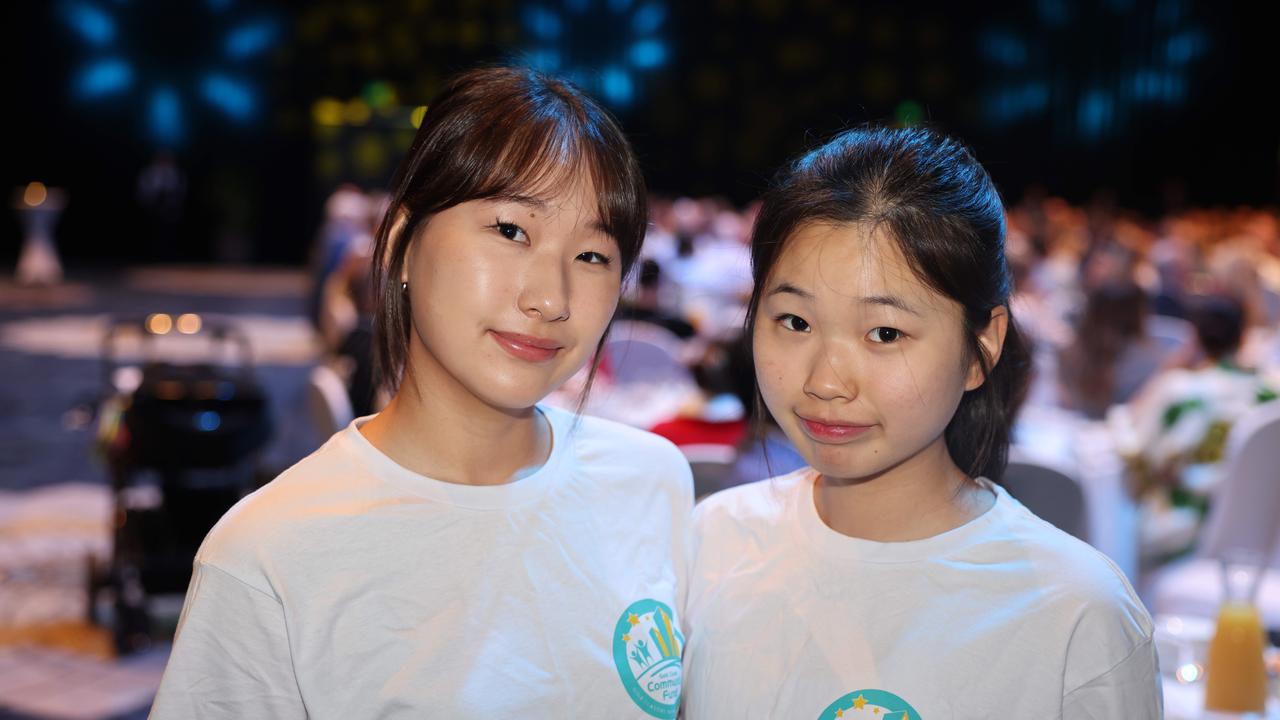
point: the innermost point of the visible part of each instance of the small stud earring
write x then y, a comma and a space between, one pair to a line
404, 287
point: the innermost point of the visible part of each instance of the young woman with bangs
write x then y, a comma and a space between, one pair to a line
466, 552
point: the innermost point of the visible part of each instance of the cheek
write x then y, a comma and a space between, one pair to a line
772, 374
919, 382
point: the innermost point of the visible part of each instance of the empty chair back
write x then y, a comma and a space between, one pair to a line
1245, 509
1170, 333
328, 402
642, 352
1051, 494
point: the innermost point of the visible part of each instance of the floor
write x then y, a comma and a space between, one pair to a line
55, 501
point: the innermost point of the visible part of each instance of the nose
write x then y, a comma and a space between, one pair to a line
544, 292
830, 376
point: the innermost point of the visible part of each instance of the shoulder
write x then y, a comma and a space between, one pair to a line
754, 509
599, 441
1069, 565
1083, 587
267, 523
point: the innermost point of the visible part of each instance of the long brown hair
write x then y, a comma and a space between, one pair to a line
495, 133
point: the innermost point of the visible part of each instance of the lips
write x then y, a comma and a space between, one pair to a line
832, 431
526, 347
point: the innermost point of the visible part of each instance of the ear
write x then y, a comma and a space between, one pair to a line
991, 340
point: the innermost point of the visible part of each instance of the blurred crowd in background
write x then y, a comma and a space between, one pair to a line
1164, 329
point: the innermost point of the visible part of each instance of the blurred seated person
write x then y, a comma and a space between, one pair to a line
346, 230
733, 420
1234, 272
1174, 433
711, 427
1173, 262
647, 305
1180, 404
1110, 357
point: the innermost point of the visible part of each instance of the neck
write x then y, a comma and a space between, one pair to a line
920, 497
455, 439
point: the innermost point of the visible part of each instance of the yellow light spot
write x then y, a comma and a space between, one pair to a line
159, 323
35, 194
188, 323
356, 112
839, 713
327, 111
416, 116
859, 702
626, 638
631, 618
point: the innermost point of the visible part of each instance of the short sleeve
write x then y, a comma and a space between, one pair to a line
231, 655
1130, 690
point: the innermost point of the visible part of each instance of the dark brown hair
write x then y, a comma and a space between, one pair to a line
1113, 318
500, 133
940, 207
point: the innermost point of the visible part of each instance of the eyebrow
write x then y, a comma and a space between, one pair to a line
884, 300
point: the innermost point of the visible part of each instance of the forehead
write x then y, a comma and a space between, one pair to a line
567, 189
853, 260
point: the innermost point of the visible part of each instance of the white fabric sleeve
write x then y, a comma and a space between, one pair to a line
231, 656
1130, 690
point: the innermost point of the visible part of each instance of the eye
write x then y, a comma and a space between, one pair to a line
595, 258
794, 323
509, 230
884, 335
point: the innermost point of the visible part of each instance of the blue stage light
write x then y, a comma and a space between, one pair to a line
1095, 113
229, 95
1185, 47
161, 91
616, 85
648, 18
90, 22
1098, 92
648, 54
600, 45
546, 60
103, 77
250, 39
164, 116
208, 421
542, 22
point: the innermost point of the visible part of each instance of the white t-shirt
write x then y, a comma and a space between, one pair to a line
351, 587
1003, 617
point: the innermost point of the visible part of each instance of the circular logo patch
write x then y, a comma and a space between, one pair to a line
646, 648
869, 704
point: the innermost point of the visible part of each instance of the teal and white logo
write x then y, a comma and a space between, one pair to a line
869, 704
646, 648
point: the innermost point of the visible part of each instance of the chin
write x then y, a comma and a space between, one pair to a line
849, 463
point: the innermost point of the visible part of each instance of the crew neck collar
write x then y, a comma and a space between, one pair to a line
817, 535
527, 486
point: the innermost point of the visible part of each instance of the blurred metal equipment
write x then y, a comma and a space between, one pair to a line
197, 426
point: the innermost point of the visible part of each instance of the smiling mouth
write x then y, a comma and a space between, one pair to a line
832, 432
526, 347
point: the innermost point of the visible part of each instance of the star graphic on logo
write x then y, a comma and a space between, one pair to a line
631, 618
626, 638
859, 702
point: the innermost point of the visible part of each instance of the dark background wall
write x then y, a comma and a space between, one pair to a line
1153, 103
